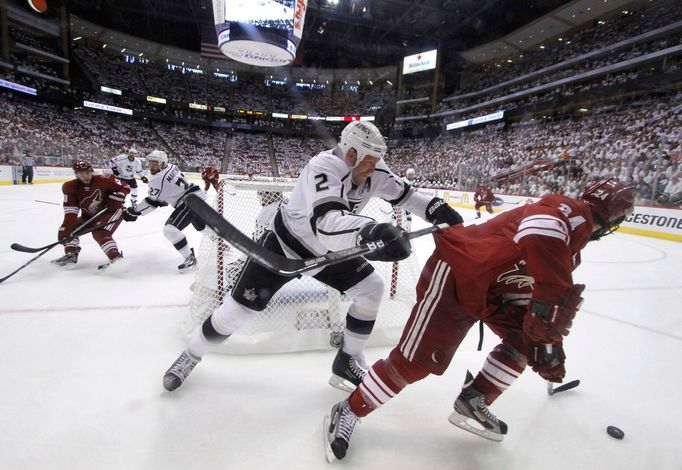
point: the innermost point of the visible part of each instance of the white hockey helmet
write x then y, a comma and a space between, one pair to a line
410, 173
132, 151
158, 156
365, 138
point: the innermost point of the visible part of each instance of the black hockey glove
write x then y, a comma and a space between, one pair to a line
115, 171
438, 211
397, 245
144, 179
129, 215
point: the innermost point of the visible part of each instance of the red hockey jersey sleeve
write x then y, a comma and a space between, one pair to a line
71, 204
547, 237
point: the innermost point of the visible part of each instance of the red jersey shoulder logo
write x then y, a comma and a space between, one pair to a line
517, 275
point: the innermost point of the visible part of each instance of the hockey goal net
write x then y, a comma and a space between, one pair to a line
305, 314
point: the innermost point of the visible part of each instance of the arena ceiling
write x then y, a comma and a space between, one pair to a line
341, 33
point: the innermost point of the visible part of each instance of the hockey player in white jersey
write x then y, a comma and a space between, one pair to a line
169, 186
125, 167
322, 215
410, 177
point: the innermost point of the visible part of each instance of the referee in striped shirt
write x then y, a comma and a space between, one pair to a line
27, 168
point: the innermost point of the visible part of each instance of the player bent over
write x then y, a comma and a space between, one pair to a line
169, 186
88, 194
522, 288
321, 216
125, 167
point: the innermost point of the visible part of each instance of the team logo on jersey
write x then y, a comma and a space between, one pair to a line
93, 202
250, 294
517, 275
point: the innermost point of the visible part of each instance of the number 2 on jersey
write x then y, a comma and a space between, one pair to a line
322, 183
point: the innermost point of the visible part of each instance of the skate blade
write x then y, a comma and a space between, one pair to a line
462, 422
119, 267
188, 270
341, 384
328, 453
65, 267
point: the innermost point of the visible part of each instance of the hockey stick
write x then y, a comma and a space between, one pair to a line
24, 265
274, 262
76, 233
47, 248
47, 202
561, 388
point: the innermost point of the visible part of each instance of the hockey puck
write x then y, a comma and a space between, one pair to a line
615, 432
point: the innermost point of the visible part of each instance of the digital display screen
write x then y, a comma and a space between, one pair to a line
259, 32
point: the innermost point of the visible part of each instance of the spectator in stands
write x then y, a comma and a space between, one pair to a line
672, 194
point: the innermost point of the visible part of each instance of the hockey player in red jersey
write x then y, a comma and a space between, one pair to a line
483, 197
87, 195
210, 176
513, 272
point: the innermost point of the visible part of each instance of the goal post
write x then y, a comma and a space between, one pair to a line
305, 314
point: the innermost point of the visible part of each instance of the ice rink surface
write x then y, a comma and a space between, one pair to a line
82, 355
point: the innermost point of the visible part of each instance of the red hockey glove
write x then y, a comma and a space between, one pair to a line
67, 226
115, 201
549, 365
548, 323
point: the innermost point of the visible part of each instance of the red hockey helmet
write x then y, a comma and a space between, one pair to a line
82, 165
610, 202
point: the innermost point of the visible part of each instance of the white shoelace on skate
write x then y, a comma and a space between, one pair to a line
483, 408
347, 422
183, 366
356, 368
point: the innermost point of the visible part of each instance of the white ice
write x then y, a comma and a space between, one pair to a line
82, 356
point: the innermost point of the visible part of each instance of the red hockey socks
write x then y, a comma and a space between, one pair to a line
502, 367
383, 381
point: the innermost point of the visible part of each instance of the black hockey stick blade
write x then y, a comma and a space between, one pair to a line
28, 249
561, 388
273, 261
78, 231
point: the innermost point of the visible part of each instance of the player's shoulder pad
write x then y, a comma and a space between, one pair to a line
328, 162
559, 206
70, 186
382, 168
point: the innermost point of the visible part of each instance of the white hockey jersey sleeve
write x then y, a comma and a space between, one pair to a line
137, 167
397, 192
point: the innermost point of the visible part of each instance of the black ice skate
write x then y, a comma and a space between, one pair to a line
189, 263
347, 371
338, 429
472, 414
68, 261
105, 266
178, 372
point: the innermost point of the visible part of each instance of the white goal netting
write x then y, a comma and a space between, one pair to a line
304, 313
